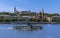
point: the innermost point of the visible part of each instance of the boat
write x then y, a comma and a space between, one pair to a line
29, 28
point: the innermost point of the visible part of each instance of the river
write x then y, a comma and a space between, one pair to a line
48, 31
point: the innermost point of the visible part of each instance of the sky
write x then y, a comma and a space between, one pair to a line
49, 6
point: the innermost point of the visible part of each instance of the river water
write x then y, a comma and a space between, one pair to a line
48, 31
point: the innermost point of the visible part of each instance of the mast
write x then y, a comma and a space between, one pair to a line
42, 15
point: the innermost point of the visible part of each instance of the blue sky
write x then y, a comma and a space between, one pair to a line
49, 6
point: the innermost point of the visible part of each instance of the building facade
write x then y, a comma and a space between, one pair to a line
55, 19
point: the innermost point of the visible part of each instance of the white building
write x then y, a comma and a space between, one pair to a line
56, 19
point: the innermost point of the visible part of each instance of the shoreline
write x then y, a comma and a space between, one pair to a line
30, 22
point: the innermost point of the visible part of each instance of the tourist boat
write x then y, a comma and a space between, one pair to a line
29, 28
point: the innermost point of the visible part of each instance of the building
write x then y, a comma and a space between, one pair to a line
21, 12
27, 14
2, 16
49, 19
16, 12
55, 19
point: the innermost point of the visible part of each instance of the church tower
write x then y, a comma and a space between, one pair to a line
15, 11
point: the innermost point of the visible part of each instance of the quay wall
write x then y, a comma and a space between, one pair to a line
30, 22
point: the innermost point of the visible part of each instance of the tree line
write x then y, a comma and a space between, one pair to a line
31, 19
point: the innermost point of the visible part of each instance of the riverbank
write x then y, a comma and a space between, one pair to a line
30, 22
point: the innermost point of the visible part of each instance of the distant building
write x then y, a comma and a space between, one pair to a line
16, 12
55, 19
2, 16
9, 17
27, 14
21, 12
49, 19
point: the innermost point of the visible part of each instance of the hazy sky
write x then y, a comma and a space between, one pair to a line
51, 6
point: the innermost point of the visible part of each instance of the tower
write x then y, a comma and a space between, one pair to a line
15, 10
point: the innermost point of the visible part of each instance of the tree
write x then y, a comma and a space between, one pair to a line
45, 20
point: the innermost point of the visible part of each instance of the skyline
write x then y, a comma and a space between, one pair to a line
49, 6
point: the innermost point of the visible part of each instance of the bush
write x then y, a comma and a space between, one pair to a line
45, 20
